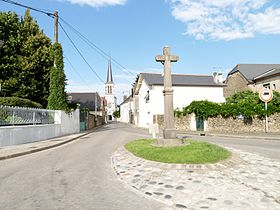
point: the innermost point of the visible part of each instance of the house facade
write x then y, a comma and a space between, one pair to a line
126, 107
91, 109
252, 77
148, 100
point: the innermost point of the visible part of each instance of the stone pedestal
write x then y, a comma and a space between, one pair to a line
169, 133
162, 142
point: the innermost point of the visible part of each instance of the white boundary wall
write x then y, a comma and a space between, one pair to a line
64, 124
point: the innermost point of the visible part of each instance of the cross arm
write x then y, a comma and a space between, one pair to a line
163, 58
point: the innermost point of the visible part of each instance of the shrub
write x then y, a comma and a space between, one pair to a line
246, 104
21, 102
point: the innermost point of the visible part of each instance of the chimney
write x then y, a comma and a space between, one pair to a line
124, 98
215, 77
220, 77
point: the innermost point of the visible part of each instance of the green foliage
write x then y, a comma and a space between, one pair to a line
116, 114
15, 101
194, 152
57, 98
246, 104
25, 59
203, 109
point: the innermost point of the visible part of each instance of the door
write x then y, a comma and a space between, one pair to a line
199, 123
83, 120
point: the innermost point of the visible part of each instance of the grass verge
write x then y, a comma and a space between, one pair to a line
196, 152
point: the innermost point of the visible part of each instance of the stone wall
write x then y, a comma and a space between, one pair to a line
225, 125
92, 122
230, 125
181, 123
235, 83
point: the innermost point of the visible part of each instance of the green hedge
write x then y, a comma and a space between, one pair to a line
15, 101
246, 104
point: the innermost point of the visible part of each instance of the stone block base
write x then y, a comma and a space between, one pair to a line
169, 133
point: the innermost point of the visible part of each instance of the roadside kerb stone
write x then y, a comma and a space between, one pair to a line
246, 181
29, 148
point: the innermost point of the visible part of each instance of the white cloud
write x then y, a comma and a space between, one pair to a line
97, 3
227, 19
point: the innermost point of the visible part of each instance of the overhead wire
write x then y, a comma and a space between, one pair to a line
47, 12
79, 52
70, 63
96, 48
84, 38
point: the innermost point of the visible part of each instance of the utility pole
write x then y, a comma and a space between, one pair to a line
56, 26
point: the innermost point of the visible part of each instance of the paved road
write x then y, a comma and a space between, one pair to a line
266, 148
79, 175
74, 176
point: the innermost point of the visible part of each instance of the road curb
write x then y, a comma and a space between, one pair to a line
44, 147
246, 137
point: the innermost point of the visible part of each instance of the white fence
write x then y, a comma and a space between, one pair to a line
62, 124
25, 116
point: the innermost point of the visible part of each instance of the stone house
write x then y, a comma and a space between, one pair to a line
91, 109
148, 100
252, 77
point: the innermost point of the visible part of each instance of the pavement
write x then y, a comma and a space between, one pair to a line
246, 181
7, 152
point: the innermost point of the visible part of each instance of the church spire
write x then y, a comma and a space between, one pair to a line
109, 73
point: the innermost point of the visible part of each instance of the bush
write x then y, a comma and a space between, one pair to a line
116, 114
15, 101
246, 104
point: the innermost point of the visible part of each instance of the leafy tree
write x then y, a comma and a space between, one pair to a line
116, 114
25, 59
57, 98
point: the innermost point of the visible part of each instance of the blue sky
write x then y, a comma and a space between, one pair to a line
208, 35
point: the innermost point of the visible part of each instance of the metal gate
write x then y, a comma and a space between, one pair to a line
83, 120
199, 123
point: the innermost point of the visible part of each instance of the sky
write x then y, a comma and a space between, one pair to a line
207, 35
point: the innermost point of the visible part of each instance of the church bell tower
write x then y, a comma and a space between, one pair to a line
110, 94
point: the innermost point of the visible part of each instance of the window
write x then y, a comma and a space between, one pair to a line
267, 85
274, 87
147, 97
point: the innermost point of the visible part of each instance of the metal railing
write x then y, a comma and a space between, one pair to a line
25, 116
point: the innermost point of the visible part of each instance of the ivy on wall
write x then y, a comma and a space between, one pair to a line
246, 104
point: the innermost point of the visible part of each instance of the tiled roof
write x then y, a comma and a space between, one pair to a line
250, 71
268, 74
86, 100
181, 80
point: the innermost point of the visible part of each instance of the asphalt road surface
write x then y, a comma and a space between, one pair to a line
77, 175
266, 148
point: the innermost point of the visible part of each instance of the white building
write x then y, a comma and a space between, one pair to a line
110, 95
148, 96
126, 110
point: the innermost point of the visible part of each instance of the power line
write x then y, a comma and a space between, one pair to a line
80, 53
46, 12
85, 39
96, 48
77, 72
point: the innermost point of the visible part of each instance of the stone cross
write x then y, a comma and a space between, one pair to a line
166, 59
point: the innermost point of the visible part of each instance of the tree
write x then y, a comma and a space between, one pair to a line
25, 60
57, 98
117, 114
